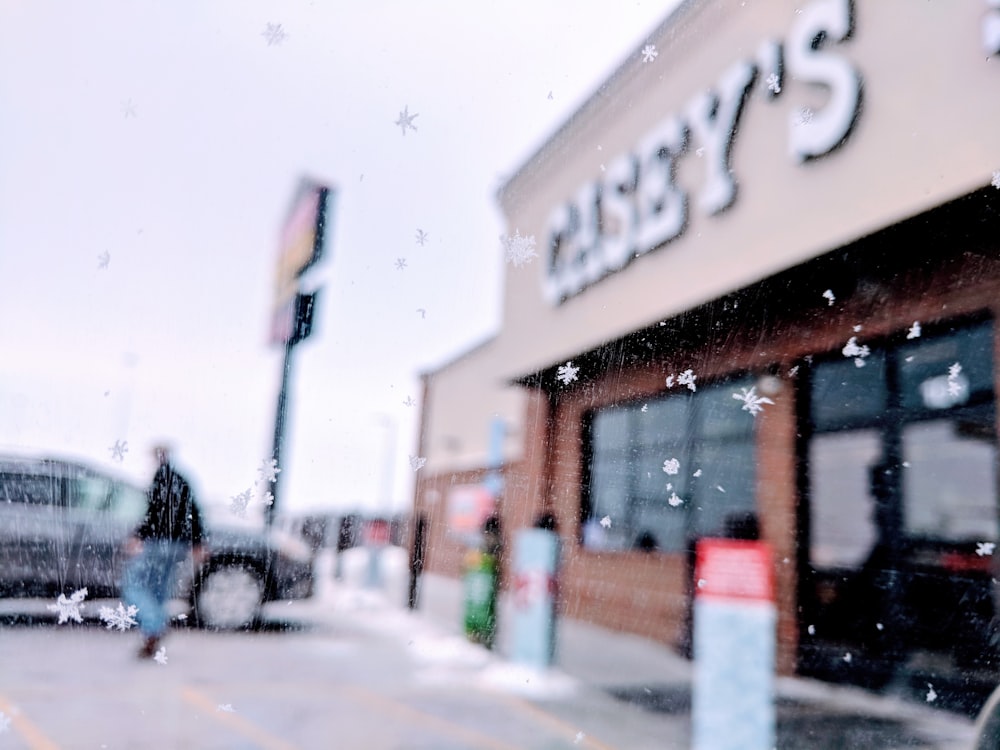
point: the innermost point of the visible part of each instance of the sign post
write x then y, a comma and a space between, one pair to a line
734, 644
302, 244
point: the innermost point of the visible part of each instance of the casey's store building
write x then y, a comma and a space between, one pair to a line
765, 296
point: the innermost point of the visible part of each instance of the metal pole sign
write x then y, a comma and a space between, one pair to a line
734, 644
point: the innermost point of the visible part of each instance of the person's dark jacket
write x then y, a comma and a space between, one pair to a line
172, 512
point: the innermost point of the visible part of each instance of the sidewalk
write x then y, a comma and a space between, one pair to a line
631, 692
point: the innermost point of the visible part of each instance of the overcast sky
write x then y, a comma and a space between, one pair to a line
149, 152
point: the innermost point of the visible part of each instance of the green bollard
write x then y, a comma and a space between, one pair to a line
480, 597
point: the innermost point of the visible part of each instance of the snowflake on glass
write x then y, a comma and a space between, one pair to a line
853, 349
674, 500
422, 311
409, 401
984, 549
697, 473
103, 259
649, 53
518, 250
995, 182
914, 332
405, 120
566, 373
606, 522
931, 695
828, 295
120, 618
422, 237
848, 658
267, 499
268, 470
954, 384
226, 708
687, 378
670, 381
160, 657
69, 609
118, 450
811, 630
579, 738
804, 116
774, 83
128, 108
751, 401
238, 503
645, 408
274, 34
417, 462
671, 466
4, 722
793, 371
400, 264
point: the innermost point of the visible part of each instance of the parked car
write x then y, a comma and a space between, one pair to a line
63, 526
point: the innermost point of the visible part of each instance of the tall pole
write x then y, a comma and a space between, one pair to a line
279, 428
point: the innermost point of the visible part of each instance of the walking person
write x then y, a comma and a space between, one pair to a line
171, 529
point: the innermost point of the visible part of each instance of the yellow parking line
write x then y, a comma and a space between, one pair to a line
434, 723
235, 722
29, 732
546, 718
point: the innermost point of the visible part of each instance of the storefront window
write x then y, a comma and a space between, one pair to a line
671, 469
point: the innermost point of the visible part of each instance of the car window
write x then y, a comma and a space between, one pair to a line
31, 489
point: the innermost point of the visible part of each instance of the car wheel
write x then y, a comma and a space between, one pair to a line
229, 596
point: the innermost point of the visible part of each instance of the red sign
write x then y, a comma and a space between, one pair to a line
734, 569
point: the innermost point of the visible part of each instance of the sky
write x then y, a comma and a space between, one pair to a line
148, 157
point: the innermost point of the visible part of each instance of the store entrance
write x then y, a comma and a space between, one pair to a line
902, 512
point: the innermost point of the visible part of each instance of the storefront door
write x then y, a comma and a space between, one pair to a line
901, 518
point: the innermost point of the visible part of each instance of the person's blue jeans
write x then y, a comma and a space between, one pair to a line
149, 580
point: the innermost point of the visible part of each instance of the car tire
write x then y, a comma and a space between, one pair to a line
228, 596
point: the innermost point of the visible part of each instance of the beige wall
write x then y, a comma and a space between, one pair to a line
927, 132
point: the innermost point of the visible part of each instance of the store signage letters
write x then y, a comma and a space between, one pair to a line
637, 204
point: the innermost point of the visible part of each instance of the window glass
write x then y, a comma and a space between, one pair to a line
942, 372
844, 393
644, 462
30, 489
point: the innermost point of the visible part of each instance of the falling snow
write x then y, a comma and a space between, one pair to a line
931, 695
226, 708
848, 657
120, 618
793, 371
687, 378
422, 311
774, 83
828, 294
914, 332
697, 473
645, 408
409, 402
422, 237
4, 722
103, 259
983, 549
671, 466
954, 384
128, 108
670, 381
274, 34
649, 53
566, 373
811, 630
405, 120
417, 462
853, 349
268, 470
69, 609
160, 657
751, 401
518, 250
238, 503
674, 500
606, 522
118, 450
400, 264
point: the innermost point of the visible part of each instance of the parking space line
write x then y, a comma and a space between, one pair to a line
234, 721
555, 722
31, 734
415, 716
